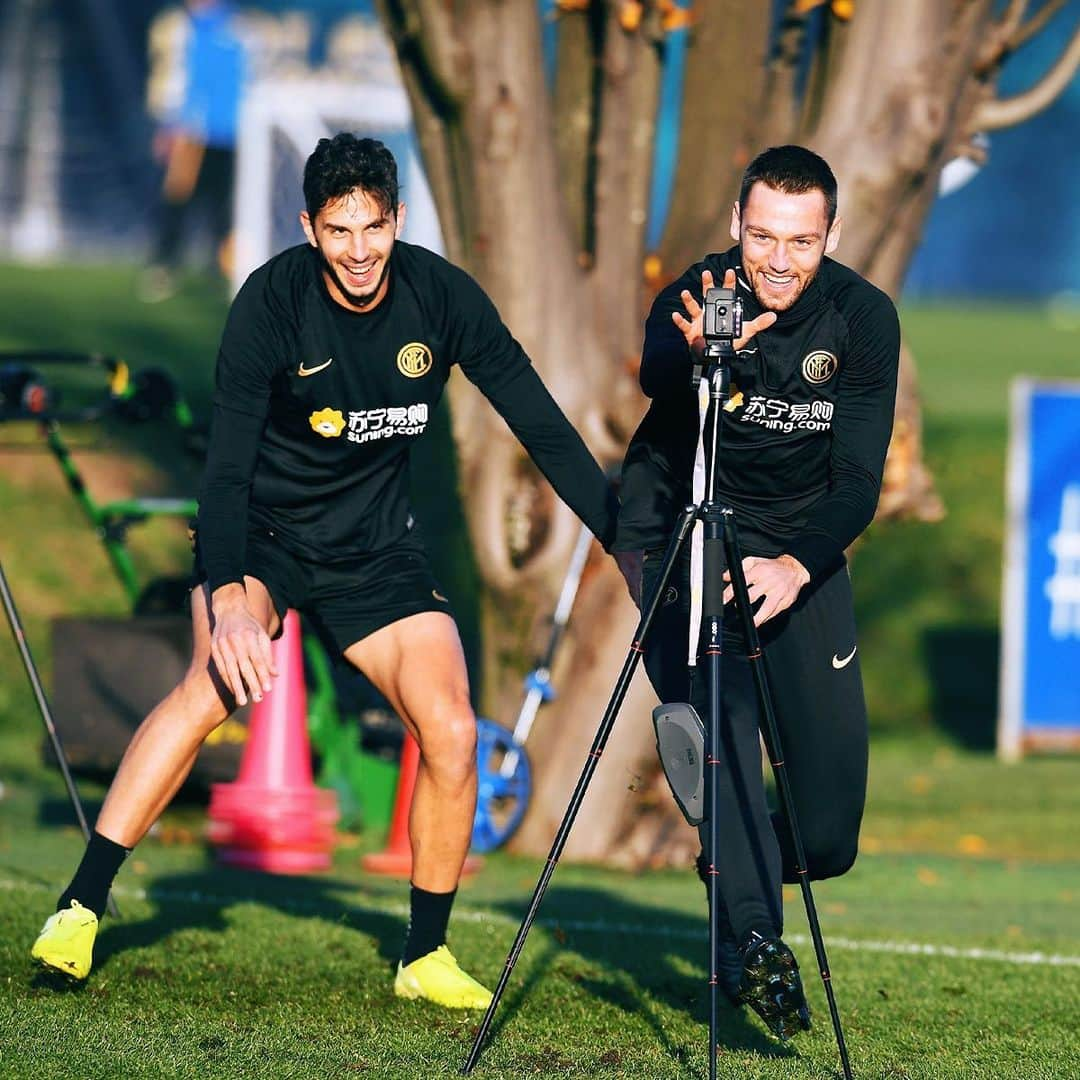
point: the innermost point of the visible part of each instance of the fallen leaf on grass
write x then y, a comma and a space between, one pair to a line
919, 784
174, 834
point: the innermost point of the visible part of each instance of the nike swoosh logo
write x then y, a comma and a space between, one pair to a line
302, 371
838, 663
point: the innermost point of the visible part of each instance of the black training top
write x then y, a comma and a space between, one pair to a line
316, 407
804, 432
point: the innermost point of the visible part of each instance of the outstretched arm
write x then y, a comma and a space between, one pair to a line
498, 366
239, 644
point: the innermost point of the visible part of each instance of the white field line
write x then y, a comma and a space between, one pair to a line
589, 926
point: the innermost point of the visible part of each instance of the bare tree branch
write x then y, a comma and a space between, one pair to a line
574, 108
780, 108
995, 114
1037, 21
423, 34
1012, 18
437, 115
623, 163
720, 122
827, 60
999, 41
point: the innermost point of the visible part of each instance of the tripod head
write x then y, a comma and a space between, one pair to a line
722, 323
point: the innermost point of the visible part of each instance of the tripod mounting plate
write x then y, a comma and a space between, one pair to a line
680, 741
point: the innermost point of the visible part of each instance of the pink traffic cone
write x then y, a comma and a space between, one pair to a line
395, 860
273, 817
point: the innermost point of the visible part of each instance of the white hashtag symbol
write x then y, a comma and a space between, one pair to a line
1064, 587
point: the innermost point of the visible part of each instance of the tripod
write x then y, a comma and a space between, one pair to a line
46, 714
720, 541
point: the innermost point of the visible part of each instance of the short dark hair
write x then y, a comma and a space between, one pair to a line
792, 170
345, 163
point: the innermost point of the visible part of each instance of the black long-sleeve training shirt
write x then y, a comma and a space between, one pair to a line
804, 434
316, 407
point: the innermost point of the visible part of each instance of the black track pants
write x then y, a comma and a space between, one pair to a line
813, 673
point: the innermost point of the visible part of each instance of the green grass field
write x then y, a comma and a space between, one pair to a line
954, 943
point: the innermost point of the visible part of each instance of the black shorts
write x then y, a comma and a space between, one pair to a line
349, 598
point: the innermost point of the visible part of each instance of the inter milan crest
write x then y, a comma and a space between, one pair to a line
414, 360
819, 367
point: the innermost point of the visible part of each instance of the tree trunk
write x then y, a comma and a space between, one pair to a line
543, 197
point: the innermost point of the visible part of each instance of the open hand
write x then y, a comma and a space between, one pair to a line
241, 651
692, 328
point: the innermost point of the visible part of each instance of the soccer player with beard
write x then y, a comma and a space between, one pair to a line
802, 442
333, 358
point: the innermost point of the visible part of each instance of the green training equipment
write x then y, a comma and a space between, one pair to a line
140, 659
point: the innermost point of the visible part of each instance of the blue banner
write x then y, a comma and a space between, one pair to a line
1041, 623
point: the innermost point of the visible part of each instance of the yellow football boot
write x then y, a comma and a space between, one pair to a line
436, 977
66, 941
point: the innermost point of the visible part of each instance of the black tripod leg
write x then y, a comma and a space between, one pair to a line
606, 724
46, 714
712, 617
771, 734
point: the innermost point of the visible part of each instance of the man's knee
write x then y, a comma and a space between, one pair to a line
204, 704
830, 847
832, 859
448, 740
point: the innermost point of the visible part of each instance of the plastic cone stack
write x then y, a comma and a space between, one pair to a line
273, 817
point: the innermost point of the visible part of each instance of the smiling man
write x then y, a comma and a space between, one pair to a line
333, 358
801, 451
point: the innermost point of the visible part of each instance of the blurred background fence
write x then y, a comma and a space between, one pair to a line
84, 85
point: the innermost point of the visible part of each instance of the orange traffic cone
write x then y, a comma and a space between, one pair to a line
395, 860
273, 817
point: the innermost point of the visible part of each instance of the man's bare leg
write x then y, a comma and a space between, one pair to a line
163, 749
418, 664
159, 757
155, 764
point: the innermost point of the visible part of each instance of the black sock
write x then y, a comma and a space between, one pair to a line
429, 913
91, 883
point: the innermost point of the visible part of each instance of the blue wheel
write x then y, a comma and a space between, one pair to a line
501, 801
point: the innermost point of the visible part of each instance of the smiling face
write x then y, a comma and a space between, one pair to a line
783, 239
354, 235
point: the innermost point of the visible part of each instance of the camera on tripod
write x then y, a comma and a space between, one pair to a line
723, 321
